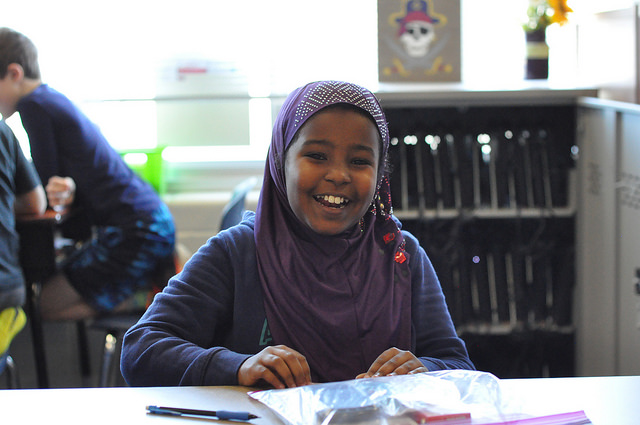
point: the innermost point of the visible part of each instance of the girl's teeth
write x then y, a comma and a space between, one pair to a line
333, 200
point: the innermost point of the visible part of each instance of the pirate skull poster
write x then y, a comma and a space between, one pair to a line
419, 40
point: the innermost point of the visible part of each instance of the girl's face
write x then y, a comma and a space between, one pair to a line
331, 170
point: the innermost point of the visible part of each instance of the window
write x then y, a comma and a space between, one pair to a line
206, 77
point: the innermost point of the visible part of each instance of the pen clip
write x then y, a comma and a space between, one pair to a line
160, 411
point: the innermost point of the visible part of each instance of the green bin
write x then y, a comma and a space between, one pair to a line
148, 164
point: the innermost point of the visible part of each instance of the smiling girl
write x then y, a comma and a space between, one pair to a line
320, 284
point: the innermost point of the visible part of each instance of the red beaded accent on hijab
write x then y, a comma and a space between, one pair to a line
382, 205
389, 237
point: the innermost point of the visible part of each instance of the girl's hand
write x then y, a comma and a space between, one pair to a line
279, 366
394, 362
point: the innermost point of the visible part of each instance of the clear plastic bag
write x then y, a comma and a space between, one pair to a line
453, 397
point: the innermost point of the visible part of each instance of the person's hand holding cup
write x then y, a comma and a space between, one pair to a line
60, 191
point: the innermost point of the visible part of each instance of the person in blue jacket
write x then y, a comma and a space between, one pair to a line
134, 231
319, 284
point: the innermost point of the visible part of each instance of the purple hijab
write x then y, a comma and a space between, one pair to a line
339, 300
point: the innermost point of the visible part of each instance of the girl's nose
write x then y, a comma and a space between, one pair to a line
338, 175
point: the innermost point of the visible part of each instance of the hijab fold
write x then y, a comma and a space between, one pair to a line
339, 300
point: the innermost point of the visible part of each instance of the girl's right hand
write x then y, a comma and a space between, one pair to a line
279, 366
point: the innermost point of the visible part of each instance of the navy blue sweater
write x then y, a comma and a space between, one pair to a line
64, 142
210, 318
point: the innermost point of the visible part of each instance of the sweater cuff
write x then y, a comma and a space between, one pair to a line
223, 367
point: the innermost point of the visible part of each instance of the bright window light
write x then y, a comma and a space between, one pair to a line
127, 125
135, 158
120, 67
260, 122
16, 126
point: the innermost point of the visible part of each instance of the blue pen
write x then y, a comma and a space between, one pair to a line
220, 414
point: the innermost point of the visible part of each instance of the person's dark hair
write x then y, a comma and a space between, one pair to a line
384, 162
17, 48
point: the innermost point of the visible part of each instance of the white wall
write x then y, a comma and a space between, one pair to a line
124, 50
198, 215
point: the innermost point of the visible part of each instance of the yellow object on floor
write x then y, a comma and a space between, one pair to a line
12, 320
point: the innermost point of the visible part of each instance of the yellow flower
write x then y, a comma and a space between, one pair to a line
560, 11
542, 13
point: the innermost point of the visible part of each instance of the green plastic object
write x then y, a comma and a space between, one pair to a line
149, 165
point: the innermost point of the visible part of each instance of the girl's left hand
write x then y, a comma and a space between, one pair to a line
394, 362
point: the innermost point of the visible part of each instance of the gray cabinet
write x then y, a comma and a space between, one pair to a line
608, 239
488, 183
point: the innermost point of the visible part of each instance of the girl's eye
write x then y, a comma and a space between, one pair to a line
362, 161
315, 155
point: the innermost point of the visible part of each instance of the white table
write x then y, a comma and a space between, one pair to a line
122, 406
606, 401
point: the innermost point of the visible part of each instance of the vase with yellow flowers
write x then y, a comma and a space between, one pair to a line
541, 14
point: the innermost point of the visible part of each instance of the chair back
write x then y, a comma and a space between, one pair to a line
232, 212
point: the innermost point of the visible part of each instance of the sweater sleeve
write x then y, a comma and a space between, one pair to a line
436, 342
39, 126
179, 340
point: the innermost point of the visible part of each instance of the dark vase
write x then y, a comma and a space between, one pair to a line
537, 67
